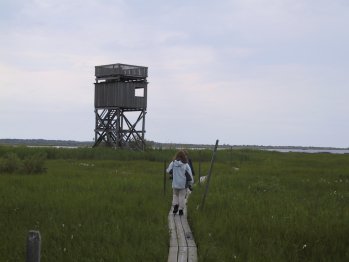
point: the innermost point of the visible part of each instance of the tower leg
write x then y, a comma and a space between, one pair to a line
111, 130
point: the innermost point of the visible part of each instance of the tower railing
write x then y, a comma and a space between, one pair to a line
106, 71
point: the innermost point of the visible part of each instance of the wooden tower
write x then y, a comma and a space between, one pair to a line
120, 105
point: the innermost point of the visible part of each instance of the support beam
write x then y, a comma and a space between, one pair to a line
110, 124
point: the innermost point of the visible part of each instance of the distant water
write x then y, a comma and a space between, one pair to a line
311, 151
57, 146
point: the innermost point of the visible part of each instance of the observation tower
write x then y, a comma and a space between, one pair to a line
120, 105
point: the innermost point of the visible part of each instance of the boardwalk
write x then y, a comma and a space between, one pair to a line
182, 244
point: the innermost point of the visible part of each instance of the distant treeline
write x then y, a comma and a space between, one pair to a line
149, 144
44, 142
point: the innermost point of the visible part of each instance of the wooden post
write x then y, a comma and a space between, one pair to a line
231, 157
209, 174
164, 177
199, 167
33, 246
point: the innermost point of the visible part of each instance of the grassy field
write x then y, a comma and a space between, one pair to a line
86, 210
108, 205
276, 207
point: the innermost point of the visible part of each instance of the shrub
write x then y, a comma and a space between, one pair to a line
10, 163
34, 164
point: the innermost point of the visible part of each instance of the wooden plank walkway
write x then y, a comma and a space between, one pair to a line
182, 245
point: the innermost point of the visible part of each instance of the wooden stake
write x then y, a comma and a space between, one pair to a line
209, 175
33, 246
199, 167
164, 177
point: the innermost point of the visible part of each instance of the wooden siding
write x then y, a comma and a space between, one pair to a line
120, 94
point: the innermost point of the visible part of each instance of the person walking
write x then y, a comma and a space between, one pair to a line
179, 166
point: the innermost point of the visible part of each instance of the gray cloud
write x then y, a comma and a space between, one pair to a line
248, 72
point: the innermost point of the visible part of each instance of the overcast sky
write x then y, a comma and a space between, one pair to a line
246, 72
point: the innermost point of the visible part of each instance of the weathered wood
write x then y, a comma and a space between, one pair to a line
180, 232
182, 244
120, 94
199, 166
165, 175
182, 254
187, 233
110, 123
131, 71
115, 93
192, 254
173, 254
209, 174
178, 246
173, 250
33, 246
173, 232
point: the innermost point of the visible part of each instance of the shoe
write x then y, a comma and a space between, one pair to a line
175, 209
181, 212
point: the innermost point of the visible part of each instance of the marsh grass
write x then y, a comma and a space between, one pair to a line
108, 205
86, 211
276, 207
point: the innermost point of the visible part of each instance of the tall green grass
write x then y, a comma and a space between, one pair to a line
84, 153
108, 205
276, 207
87, 211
